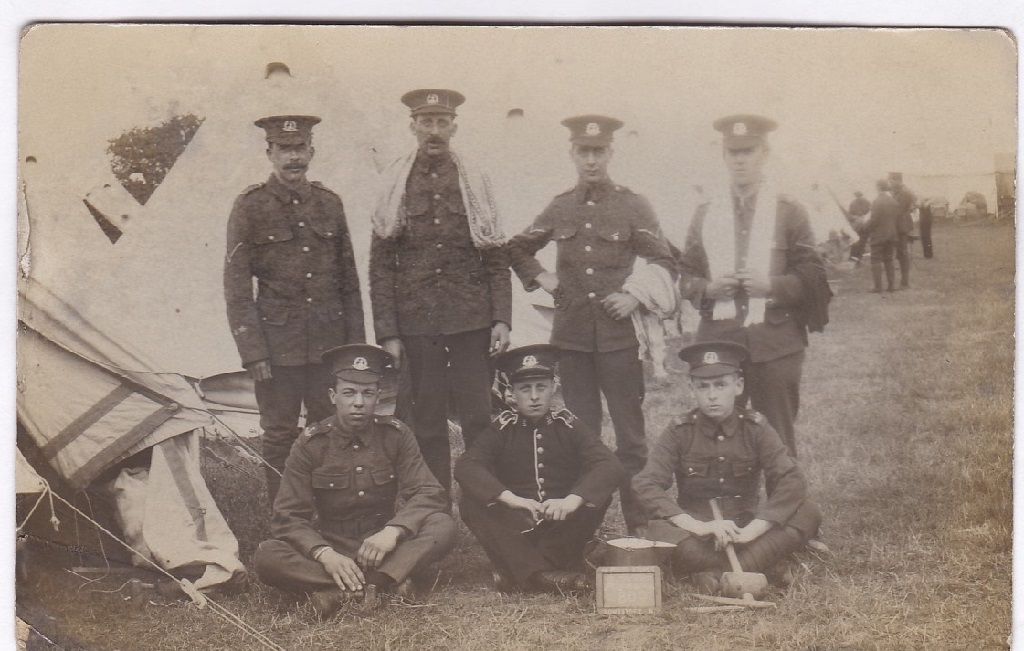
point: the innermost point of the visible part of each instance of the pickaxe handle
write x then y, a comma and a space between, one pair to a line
734, 562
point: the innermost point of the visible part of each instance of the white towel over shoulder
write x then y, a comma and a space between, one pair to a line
719, 239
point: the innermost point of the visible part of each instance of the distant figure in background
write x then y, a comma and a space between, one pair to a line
904, 224
290, 234
750, 265
857, 215
924, 221
439, 278
600, 229
881, 232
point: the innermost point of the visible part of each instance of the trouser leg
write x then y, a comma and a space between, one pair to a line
926, 236
562, 543
432, 542
580, 388
876, 272
903, 257
428, 369
280, 565
317, 380
280, 402
692, 553
774, 388
499, 529
890, 266
621, 377
471, 378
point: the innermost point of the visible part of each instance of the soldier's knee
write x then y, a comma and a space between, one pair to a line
268, 557
441, 528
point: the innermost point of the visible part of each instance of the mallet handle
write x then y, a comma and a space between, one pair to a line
734, 562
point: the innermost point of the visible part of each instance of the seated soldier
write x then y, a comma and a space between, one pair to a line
337, 532
537, 482
718, 452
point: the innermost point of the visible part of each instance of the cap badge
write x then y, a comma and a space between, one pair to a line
529, 360
360, 364
593, 129
739, 129
711, 357
432, 98
289, 125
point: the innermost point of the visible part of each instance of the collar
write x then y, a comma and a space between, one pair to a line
747, 199
597, 191
304, 191
710, 428
347, 438
425, 163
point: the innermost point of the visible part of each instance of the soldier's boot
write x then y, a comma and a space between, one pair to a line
327, 602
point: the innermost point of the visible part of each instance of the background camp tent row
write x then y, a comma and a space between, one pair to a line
130, 339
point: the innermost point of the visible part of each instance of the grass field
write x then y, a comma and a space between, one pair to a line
906, 436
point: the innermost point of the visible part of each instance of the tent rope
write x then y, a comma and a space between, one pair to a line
246, 445
46, 492
185, 585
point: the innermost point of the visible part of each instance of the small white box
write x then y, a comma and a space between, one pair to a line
628, 590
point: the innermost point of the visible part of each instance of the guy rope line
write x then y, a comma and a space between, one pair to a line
199, 599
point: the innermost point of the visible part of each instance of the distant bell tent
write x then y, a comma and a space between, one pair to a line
515, 114
30, 159
277, 69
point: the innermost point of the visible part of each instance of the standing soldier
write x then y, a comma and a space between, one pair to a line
750, 266
600, 228
906, 200
290, 235
858, 215
881, 231
439, 279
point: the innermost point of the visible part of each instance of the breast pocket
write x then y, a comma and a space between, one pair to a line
744, 468
614, 242
385, 485
328, 482
272, 232
694, 468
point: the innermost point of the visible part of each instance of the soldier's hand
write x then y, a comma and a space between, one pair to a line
754, 530
548, 281
259, 370
499, 337
620, 305
395, 348
722, 288
344, 570
723, 531
560, 509
373, 550
757, 285
513, 501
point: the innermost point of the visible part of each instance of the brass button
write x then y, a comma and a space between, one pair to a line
361, 493
295, 201
540, 480
689, 470
270, 237
437, 196
590, 203
440, 246
359, 468
588, 248
540, 450
542, 494
330, 233
305, 249
309, 275
540, 465
437, 271
721, 438
309, 299
355, 447
588, 225
391, 476
721, 458
433, 175
721, 480
590, 272
330, 485
591, 295
539, 436
437, 221
302, 224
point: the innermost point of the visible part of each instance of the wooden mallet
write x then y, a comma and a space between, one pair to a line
746, 587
